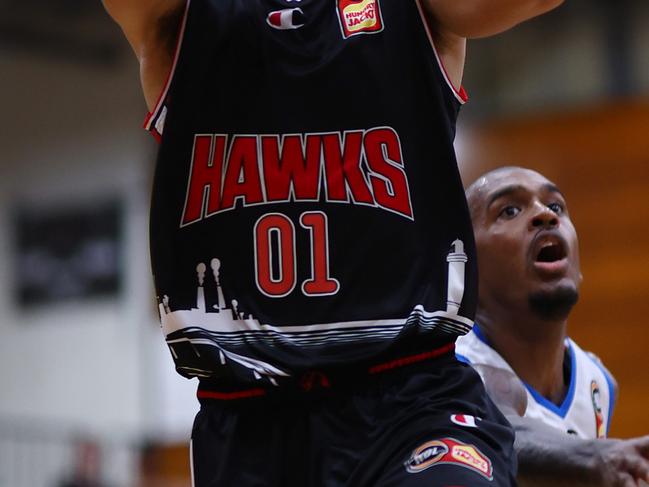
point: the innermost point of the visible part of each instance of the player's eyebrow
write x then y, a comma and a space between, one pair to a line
553, 188
504, 191
515, 188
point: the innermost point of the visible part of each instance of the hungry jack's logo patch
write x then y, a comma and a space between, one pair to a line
359, 17
449, 451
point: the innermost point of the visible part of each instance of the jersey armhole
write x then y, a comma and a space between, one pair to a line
460, 94
155, 120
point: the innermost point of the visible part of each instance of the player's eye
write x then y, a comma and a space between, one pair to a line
509, 212
557, 208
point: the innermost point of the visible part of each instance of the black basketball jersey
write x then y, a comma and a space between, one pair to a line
307, 208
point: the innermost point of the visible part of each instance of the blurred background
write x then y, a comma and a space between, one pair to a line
88, 395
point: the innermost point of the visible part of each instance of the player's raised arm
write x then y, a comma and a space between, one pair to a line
481, 18
453, 21
151, 28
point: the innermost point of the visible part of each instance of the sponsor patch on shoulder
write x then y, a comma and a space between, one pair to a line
449, 451
359, 17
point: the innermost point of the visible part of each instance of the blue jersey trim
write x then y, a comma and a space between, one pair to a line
612, 399
562, 410
480, 334
462, 358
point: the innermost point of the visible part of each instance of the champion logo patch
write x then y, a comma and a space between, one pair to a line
359, 17
286, 19
465, 420
449, 451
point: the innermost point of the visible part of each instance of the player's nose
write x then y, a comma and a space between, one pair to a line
542, 216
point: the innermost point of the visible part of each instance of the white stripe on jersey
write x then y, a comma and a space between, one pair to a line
224, 328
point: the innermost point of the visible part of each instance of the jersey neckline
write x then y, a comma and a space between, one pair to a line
562, 409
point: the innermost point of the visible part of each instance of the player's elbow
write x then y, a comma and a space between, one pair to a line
547, 5
534, 8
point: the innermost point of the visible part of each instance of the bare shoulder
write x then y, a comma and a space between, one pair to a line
151, 28
504, 388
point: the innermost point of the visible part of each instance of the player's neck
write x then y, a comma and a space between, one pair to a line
535, 351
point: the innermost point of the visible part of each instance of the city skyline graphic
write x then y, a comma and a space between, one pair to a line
226, 327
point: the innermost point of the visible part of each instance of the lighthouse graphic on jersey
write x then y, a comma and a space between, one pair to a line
227, 328
456, 266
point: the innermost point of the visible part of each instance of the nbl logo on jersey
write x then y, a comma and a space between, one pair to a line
359, 17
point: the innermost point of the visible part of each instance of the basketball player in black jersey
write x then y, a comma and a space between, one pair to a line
311, 244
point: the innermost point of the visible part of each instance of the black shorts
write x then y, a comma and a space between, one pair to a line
428, 423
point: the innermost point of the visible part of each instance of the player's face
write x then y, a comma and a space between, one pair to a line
527, 245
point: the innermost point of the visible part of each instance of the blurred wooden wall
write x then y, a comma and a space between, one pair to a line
599, 157
165, 465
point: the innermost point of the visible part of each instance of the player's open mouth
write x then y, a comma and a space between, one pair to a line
550, 254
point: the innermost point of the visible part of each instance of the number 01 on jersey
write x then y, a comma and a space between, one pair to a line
276, 265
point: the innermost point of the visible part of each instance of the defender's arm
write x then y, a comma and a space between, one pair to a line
151, 28
547, 457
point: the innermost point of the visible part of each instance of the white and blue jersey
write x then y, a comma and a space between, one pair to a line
588, 405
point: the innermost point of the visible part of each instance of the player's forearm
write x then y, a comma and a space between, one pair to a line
547, 458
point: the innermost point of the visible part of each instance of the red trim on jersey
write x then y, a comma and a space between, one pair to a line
317, 379
147, 120
228, 396
412, 359
156, 135
460, 93
463, 94
155, 113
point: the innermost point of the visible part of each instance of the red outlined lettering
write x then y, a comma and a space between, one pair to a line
359, 167
320, 284
291, 171
344, 176
242, 179
204, 177
388, 178
283, 229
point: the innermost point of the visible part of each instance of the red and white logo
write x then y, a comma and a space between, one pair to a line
449, 451
286, 19
465, 420
359, 17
